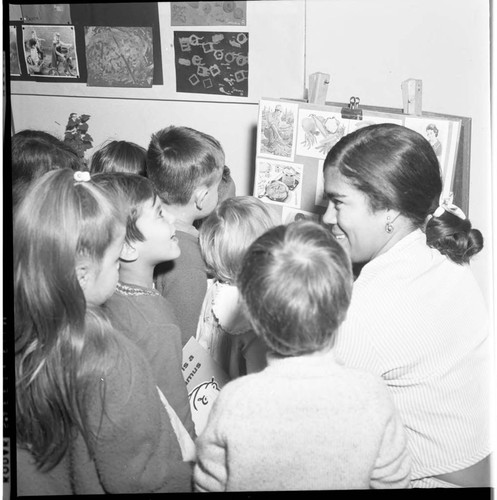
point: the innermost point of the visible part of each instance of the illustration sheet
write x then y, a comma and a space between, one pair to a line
208, 13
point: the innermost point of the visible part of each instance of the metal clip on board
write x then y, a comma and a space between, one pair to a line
352, 112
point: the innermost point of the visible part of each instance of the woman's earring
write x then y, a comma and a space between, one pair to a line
388, 225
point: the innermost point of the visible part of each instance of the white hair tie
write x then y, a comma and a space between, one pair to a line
446, 205
80, 176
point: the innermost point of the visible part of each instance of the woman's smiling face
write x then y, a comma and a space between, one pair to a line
355, 225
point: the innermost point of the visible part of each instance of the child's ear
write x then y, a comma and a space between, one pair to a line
128, 253
199, 196
82, 270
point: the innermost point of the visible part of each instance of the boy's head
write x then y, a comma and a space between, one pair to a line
296, 283
150, 232
229, 230
119, 156
186, 166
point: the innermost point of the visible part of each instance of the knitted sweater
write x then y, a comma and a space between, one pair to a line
135, 451
183, 282
302, 423
148, 319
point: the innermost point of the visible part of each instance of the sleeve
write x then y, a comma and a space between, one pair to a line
211, 469
393, 465
135, 448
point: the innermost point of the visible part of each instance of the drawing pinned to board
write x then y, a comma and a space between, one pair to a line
210, 62
119, 56
208, 13
76, 134
15, 67
50, 51
278, 182
321, 199
318, 132
277, 129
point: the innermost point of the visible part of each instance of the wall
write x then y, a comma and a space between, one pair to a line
368, 47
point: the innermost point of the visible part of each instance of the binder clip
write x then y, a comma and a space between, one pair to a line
352, 112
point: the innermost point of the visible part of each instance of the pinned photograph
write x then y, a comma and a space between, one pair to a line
318, 132
15, 67
278, 182
50, 51
277, 129
119, 57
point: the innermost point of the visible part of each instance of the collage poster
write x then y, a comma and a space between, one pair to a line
293, 139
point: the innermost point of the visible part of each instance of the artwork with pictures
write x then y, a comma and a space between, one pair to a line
278, 182
50, 51
15, 67
119, 56
212, 62
277, 129
208, 13
318, 132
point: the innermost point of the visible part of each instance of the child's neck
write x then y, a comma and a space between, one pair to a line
184, 218
137, 273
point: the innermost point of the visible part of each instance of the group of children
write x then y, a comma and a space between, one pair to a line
140, 252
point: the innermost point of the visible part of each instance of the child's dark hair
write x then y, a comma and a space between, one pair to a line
397, 168
296, 283
131, 192
34, 153
119, 156
181, 158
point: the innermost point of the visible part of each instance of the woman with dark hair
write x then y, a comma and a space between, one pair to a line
417, 316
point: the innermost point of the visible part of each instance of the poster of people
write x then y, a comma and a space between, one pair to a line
50, 51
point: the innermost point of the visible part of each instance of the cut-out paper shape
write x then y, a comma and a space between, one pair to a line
119, 56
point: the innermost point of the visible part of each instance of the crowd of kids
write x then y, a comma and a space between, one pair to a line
336, 381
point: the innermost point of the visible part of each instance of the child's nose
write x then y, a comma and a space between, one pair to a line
330, 216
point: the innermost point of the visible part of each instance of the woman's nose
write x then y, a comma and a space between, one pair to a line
330, 216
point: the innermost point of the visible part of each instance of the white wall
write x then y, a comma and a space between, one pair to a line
367, 46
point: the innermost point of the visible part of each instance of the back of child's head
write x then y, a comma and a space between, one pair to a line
228, 231
34, 153
60, 344
179, 159
131, 192
119, 156
295, 284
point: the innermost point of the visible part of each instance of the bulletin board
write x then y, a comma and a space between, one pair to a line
232, 52
293, 138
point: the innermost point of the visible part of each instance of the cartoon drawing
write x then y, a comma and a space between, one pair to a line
277, 126
432, 135
321, 133
201, 399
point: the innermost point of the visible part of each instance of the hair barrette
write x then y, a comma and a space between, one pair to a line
80, 176
446, 205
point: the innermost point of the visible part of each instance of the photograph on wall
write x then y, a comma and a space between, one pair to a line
278, 182
50, 51
212, 62
208, 13
50, 13
320, 200
119, 56
277, 129
289, 215
15, 67
318, 132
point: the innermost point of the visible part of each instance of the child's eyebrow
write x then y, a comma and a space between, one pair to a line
331, 195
